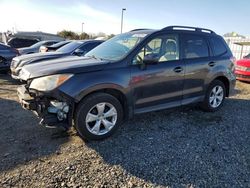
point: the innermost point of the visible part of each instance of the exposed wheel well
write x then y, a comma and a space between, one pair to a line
117, 94
225, 82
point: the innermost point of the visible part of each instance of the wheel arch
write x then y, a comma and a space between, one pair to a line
116, 91
225, 81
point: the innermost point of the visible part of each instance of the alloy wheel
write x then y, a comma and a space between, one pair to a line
216, 96
101, 118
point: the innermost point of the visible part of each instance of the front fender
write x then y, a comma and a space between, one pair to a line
83, 84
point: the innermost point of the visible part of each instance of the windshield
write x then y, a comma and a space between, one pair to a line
59, 44
38, 44
247, 56
117, 47
68, 48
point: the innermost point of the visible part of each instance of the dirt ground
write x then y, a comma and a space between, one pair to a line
183, 147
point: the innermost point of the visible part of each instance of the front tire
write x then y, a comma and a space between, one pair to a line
215, 96
98, 116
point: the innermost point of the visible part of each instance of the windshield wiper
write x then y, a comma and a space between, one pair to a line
98, 58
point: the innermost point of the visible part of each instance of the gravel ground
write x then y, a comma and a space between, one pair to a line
184, 147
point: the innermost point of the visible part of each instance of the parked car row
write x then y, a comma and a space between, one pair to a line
132, 73
6, 55
73, 48
54, 47
31, 55
35, 47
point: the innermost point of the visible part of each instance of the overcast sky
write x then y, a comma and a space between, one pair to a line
105, 15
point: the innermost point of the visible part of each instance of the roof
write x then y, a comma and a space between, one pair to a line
178, 29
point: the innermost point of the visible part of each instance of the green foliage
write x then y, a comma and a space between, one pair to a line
68, 35
84, 36
72, 35
110, 36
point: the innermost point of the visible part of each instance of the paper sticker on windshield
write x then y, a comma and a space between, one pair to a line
139, 35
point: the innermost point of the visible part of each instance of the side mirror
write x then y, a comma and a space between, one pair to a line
150, 59
79, 52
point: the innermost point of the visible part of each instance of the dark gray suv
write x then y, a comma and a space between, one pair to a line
132, 73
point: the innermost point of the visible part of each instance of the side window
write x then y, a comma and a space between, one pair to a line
87, 47
49, 43
150, 49
160, 49
195, 47
170, 49
218, 46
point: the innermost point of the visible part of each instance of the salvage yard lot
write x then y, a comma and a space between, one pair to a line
183, 147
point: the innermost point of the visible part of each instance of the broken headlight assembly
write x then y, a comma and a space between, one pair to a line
48, 83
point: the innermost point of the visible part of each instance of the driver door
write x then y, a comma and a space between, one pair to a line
158, 82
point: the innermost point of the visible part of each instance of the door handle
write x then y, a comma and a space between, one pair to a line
211, 64
178, 69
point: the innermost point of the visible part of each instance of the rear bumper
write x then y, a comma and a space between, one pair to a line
51, 111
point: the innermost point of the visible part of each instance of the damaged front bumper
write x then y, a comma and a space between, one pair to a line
54, 109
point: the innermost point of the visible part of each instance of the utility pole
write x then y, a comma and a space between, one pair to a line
82, 27
122, 19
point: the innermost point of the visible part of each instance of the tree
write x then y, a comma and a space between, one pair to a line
101, 34
233, 34
110, 36
68, 35
84, 36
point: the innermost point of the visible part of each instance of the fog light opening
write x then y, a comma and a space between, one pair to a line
61, 109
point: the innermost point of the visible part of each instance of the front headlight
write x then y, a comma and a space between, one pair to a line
48, 83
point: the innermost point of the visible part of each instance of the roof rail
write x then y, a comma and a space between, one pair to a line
177, 27
138, 29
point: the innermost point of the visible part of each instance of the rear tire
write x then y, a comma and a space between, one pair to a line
215, 96
98, 116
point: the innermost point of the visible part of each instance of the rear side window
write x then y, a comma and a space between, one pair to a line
88, 47
195, 47
218, 46
50, 43
19, 42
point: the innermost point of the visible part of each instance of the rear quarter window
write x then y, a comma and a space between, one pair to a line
218, 46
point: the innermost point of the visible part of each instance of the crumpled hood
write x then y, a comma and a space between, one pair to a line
69, 65
22, 60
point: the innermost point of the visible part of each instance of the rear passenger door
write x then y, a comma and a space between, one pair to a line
196, 55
